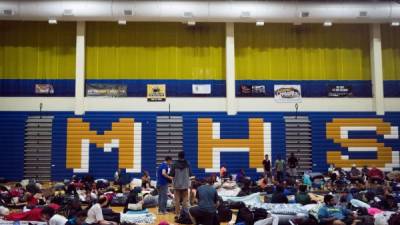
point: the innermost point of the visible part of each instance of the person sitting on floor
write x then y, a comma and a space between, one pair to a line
95, 213
205, 211
49, 215
376, 175
364, 172
146, 180
78, 219
330, 214
241, 177
355, 175
302, 196
223, 172
278, 196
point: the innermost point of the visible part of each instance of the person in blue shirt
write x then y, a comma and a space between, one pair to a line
163, 179
331, 214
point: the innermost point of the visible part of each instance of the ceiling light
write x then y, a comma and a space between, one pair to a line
128, 12
327, 24
245, 14
122, 22
260, 23
191, 23
188, 14
52, 21
304, 14
7, 12
395, 24
68, 12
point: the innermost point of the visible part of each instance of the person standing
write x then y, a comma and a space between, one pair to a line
293, 162
162, 184
267, 167
279, 168
181, 173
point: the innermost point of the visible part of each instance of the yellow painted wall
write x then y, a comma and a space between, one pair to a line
37, 50
306, 52
391, 52
149, 50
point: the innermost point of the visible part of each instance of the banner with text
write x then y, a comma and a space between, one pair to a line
287, 93
156, 92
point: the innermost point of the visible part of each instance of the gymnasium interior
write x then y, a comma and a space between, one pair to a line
101, 92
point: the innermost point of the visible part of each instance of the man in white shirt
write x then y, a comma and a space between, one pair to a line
48, 215
95, 213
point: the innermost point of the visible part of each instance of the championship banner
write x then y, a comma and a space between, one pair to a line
287, 93
44, 89
339, 91
201, 89
106, 90
156, 92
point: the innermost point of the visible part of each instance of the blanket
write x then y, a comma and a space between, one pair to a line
249, 200
228, 192
283, 209
138, 218
7, 222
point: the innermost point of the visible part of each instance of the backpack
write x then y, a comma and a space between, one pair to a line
184, 217
245, 215
236, 205
150, 201
109, 215
259, 214
119, 199
224, 213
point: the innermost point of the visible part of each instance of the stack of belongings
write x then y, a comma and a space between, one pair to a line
135, 211
228, 189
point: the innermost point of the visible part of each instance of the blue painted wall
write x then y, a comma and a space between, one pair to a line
104, 164
12, 133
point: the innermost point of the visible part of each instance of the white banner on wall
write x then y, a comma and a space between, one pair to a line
201, 89
287, 93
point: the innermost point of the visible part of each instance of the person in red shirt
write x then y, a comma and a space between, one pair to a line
376, 175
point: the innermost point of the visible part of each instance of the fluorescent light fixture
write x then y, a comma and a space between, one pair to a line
188, 14
68, 12
245, 14
52, 21
395, 24
327, 24
191, 23
260, 23
122, 22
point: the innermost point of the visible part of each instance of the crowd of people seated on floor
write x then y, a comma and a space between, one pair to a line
359, 196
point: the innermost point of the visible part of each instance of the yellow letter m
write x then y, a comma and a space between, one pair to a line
124, 135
